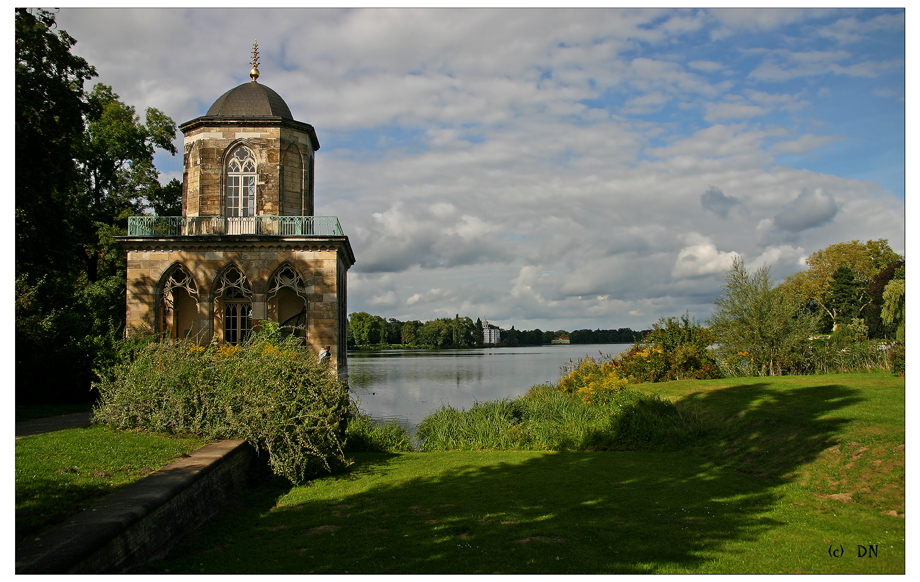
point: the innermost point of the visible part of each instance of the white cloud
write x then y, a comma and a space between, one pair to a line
779, 257
646, 103
851, 30
746, 19
885, 92
701, 258
548, 168
803, 144
719, 111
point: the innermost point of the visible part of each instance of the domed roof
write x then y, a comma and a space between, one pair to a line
250, 100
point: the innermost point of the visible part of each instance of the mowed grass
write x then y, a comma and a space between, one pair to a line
788, 471
59, 474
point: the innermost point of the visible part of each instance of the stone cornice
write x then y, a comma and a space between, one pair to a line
218, 243
215, 121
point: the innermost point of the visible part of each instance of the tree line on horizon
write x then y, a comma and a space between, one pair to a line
847, 284
365, 329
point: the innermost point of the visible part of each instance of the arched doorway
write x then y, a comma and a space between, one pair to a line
287, 301
179, 305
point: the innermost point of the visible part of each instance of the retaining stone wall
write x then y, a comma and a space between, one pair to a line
143, 521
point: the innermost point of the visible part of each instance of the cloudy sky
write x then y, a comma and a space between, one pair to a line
560, 169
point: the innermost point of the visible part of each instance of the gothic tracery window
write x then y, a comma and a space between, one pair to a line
287, 295
236, 305
179, 304
241, 183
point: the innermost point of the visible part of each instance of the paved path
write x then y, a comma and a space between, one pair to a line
52, 423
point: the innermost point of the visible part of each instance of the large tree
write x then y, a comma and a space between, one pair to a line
50, 120
758, 320
846, 297
84, 162
116, 167
893, 309
367, 329
864, 259
877, 325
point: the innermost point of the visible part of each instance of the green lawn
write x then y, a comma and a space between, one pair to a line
58, 474
789, 471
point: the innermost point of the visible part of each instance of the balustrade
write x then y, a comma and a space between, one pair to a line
161, 226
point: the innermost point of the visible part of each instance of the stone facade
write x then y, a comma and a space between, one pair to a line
322, 265
206, 284
284, 154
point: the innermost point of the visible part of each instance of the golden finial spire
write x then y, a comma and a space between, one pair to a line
254, 72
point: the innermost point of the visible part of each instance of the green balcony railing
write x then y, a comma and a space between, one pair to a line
234, 225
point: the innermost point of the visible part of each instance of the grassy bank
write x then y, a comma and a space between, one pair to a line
785, 470
61, 473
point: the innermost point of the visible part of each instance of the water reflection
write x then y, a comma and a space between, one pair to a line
407, 385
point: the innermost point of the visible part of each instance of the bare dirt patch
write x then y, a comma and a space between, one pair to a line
273, 527
845, 497
321, 529
544, 539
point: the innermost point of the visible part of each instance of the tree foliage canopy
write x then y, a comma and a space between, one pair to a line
893, 310
755, 320
865, 261
50, 112
84, 162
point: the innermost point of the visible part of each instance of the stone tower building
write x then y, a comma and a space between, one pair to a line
247, 247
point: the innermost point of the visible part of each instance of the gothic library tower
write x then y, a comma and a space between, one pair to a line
247, 247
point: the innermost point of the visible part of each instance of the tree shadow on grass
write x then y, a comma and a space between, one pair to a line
44, 502
520, 512
767, 432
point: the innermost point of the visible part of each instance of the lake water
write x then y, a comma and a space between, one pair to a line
407, 385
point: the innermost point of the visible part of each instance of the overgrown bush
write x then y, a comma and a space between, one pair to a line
896, 359
268, 391
769, 326
675, 349
589, 379
847, 350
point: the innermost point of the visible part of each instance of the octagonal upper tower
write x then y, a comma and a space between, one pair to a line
248, 156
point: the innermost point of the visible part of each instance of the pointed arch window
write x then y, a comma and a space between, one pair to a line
179, 304
240, 199
236, 305
287, 297
237, 317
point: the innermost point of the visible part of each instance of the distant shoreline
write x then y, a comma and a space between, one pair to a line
404, 347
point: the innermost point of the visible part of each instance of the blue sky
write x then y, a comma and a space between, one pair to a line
560, 169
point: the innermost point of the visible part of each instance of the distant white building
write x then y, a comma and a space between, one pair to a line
490, 334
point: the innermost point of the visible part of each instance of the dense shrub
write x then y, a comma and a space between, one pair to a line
847, 350
864, 356
590, 379
675, 349
769, 326
896, 359
269, 391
